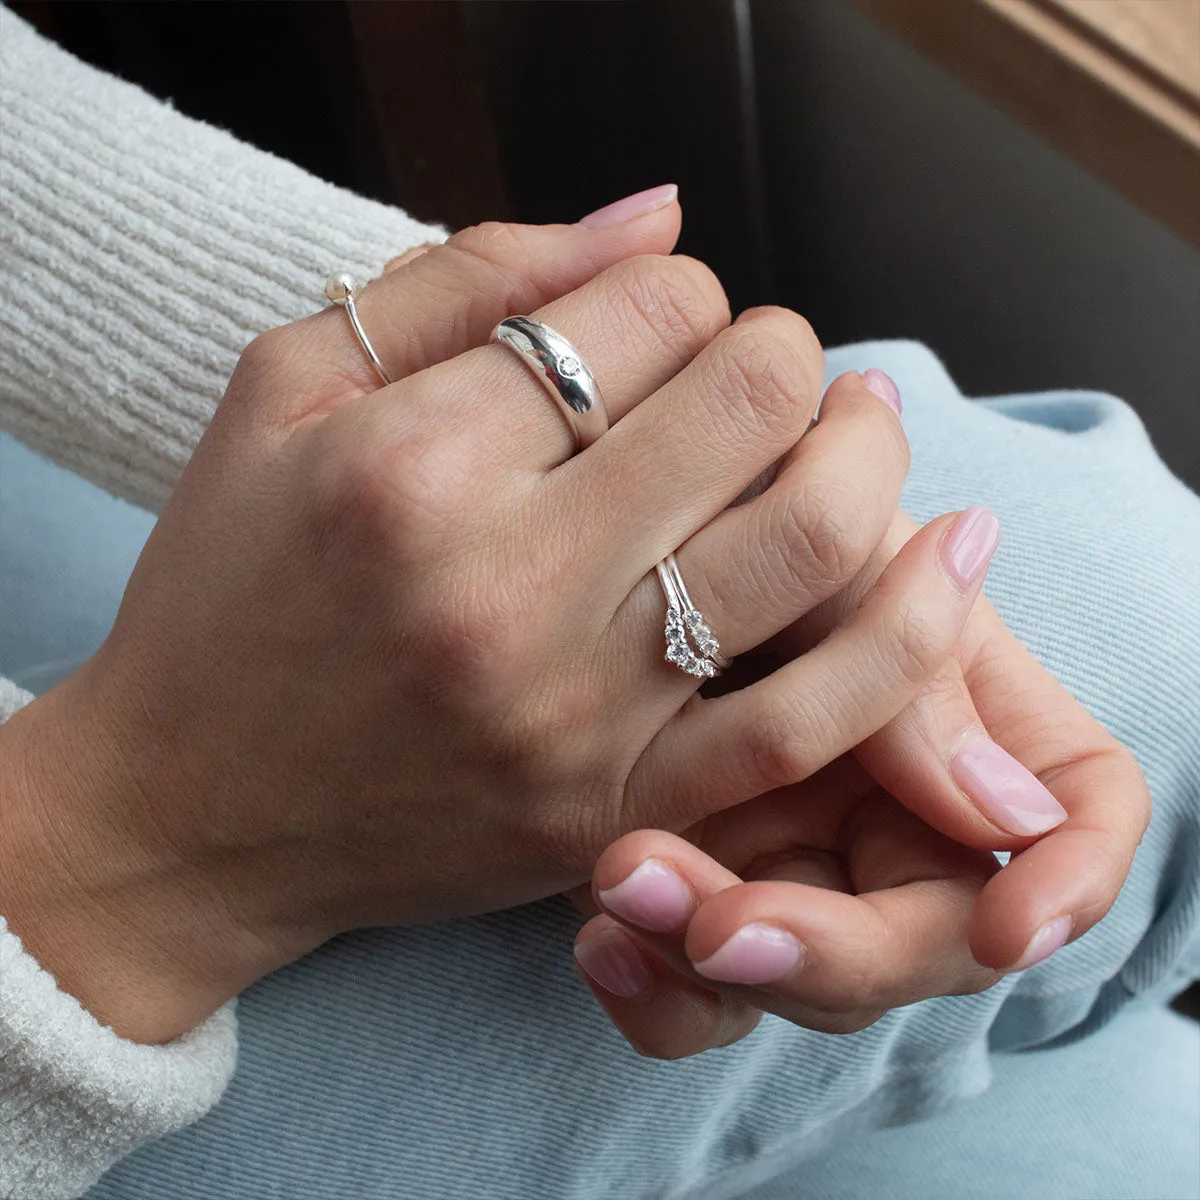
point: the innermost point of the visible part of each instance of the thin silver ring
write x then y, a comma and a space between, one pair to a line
691, 645
339, 290
561, 370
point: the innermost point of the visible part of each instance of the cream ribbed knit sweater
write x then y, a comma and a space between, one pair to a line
139, 252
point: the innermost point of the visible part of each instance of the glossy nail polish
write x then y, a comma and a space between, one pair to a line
1007, 793
969, 545
884, 387
755, 954
614, 962
1051, 937
651, 897
637, 205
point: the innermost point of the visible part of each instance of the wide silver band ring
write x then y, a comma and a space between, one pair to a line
339, 290
691, 645
560, 369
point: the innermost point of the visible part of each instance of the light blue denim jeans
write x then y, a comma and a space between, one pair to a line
466, 1061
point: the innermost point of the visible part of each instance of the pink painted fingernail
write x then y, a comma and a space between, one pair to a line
637, 205
1051, 937
969, 545
1007, 793
651, 897
755, 954
613, 961
884, 387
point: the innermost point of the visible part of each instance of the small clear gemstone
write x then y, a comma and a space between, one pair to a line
569, 366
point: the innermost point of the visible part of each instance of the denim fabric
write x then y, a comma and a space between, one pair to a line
467, 1061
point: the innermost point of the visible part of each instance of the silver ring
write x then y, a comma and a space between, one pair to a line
560, 369
691, 645
339, 289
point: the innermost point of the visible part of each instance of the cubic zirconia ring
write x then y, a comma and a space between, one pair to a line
560, 369
691, 645
339, 289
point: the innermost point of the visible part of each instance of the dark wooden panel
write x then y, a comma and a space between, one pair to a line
592, 101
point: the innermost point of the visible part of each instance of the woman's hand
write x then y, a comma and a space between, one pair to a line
918, 913
996, 754
826, 903
395, 654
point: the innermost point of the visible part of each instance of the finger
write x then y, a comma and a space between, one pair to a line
723, 750
756, 567
447, 300
659, 1012
807, 950
791, 833
1045, 764
931, 755
826, 959
687, 452
1058, 888
636, 325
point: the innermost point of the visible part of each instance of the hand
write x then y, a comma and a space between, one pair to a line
826, 903
395, 654
922, 911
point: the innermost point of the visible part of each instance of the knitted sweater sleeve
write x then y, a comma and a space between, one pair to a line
140, 251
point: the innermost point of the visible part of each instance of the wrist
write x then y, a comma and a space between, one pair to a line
89, 884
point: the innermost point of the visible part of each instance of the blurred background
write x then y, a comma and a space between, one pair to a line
1014, 182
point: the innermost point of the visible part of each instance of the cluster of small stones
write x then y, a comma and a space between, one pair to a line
696, 662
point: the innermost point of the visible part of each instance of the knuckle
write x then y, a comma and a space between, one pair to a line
489, 266
777, 746
765, 373
552, 732
477, 645
388, 496
680, 304
269, 347
355, 501
912, 642
852, 1022
823, 536
670, 1044
266, 362
858, 991
494, 243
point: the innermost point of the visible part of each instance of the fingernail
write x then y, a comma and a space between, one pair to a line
970, 544
884, 387
1007, 793
637, 205
755, 954
613, 961
651, 897
1051, 937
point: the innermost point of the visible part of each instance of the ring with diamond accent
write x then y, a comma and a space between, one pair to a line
339, 289
560, 369
691, 645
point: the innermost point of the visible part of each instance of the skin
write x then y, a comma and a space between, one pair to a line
889, 910
340, 691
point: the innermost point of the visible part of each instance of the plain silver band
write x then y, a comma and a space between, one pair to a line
359, 332
561, 370
339, 289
